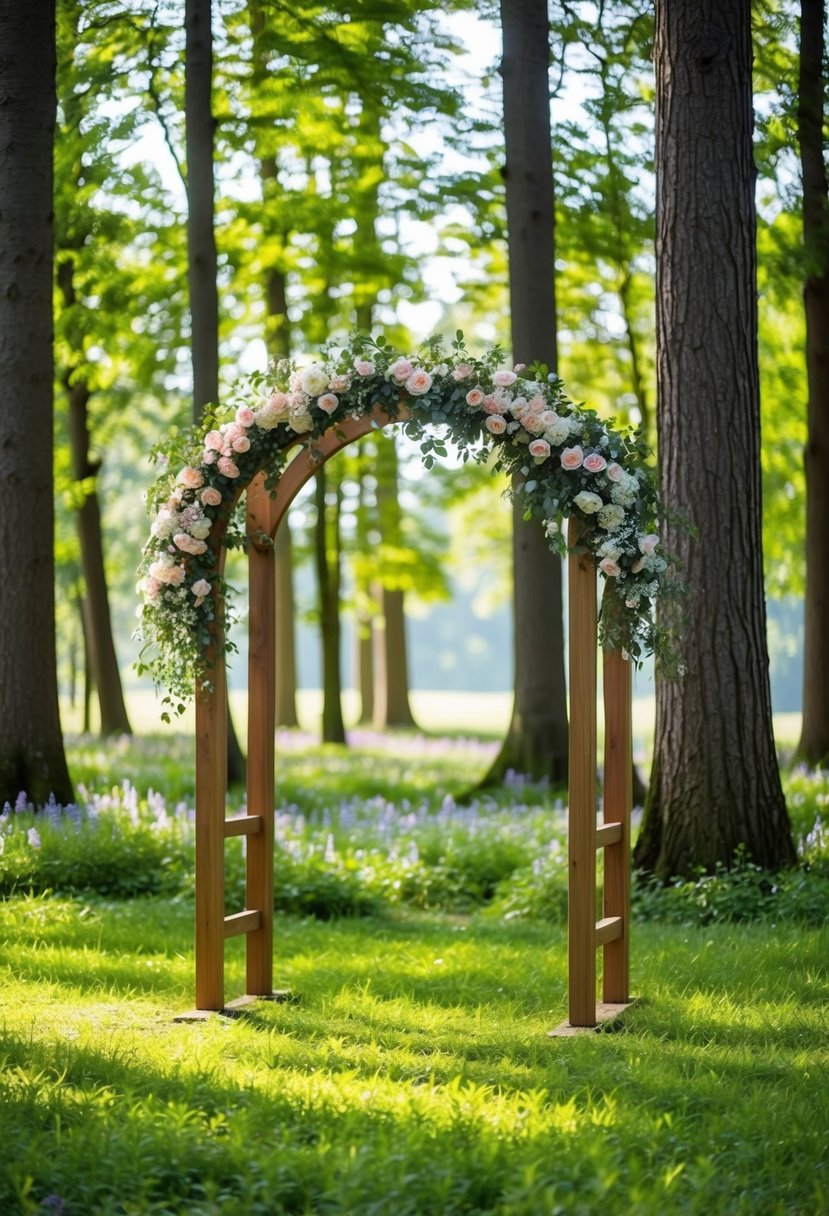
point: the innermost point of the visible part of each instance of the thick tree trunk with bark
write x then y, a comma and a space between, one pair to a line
536, 741
201, 245
715, 784
814, 739
31, 744
327, 558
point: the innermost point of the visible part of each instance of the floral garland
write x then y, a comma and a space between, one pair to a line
567, 460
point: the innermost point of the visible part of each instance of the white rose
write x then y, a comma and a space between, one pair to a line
588, 502
314, 380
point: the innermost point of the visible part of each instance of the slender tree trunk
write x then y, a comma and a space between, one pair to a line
103, 659
814, 739
201, 245
536, 742
391, 669
715, 784
327, 557
32, 758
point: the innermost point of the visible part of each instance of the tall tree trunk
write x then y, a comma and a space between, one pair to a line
278, 343
536, 742
201, 245
814, 738
391, 668
715, 784
32, 758
327, 557
103, 659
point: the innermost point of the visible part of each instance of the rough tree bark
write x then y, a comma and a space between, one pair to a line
715, 784
201, 244
536, 742
31, 744
814, 739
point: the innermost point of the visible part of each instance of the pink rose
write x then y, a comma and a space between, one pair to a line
211, 497
537, 404
189, 544
572, 458
214, 440
462, 372
494, 404
276, 401
495, 424
419, 382
615, 472
228, 467
531, 422
648, 543
540, 449
241, 444
191, 478
519, 367
364, 367
201, 588
328, 402
609, 567
474, 397
401, 370
244, 416
503, 377
594, 463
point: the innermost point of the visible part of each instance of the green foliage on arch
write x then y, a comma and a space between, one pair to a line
566, 460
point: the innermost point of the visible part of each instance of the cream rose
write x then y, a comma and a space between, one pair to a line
588, 502
314, 380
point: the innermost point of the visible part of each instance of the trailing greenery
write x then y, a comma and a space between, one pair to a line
567, 462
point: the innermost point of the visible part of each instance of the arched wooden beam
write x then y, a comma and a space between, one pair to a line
265, 510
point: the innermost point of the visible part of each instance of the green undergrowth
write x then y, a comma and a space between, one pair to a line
412, 1073
366, 829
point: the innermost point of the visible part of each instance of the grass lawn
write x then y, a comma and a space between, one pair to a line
412, 1075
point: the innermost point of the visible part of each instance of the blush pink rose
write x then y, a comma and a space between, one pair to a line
419, 382
328, 402
615, 472
648, 543
572, 458
537, 404
191, 478
214, 440
462, 372
201, 588
503, 378
209, 456
594, 463
609, 567
211, 497
364, 367
339, 384
241, 444
228, 467
474, 397
189, 544
493, 404
495, 424
519, 367
244, 416
401, 370
540, 449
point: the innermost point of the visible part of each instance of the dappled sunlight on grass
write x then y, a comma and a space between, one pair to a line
412, 1074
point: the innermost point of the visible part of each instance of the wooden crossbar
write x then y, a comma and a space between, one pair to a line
243, 825
607, 834
243, 922
608, 929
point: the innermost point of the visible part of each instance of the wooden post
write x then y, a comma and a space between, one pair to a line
261, 729
618, 796
583, 618
211, 791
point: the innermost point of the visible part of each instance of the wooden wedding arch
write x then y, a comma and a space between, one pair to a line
586, 933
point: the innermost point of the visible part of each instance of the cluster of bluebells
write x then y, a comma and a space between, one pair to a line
569, 464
